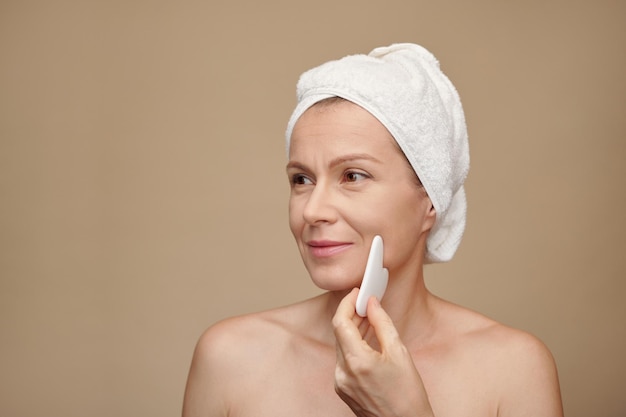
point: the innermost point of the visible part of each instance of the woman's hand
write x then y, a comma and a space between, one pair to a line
381, 383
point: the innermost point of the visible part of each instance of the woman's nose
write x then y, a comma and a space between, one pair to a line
320, 207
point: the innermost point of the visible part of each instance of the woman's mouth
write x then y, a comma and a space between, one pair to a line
326, 248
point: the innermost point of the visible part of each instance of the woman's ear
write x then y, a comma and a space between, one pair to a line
430, 217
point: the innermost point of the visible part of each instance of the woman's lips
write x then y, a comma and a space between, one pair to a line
326, 248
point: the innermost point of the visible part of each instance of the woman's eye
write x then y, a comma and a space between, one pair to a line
300, 179
352, 176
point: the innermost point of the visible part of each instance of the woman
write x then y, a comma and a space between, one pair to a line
377, 146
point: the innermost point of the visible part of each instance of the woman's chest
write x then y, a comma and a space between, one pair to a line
301, 382
458, 385
303, 389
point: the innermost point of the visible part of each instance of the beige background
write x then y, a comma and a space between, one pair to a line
143, 194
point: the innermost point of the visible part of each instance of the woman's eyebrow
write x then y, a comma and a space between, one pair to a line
353, 157
296, 165
337, 161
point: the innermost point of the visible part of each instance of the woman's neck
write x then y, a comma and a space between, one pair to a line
411, 307
407, 301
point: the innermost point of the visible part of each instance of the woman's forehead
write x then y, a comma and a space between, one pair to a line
341, 120
342, 129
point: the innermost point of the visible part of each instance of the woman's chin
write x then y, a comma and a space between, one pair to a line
332, 283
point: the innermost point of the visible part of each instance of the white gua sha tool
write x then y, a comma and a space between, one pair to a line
374, 279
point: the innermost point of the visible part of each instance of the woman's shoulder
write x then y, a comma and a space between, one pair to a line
243, 331
487, 335
520, 367
474, 340
267, 332
509, 357
236, 355
496, 338
511, 367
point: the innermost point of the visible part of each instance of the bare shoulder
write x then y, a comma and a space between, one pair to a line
525, 371
516, 365
239, 342
264, 332
478, 334
237, 355
238, 334
220, 355
501, 342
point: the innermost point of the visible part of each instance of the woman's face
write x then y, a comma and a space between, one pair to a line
350, 182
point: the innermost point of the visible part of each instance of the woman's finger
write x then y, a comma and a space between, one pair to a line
345, 326
384, 328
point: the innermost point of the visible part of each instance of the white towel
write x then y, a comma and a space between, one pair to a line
403, 87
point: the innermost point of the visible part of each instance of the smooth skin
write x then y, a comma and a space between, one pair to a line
414, 355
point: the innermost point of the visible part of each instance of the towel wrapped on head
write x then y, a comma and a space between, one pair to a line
403, 87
